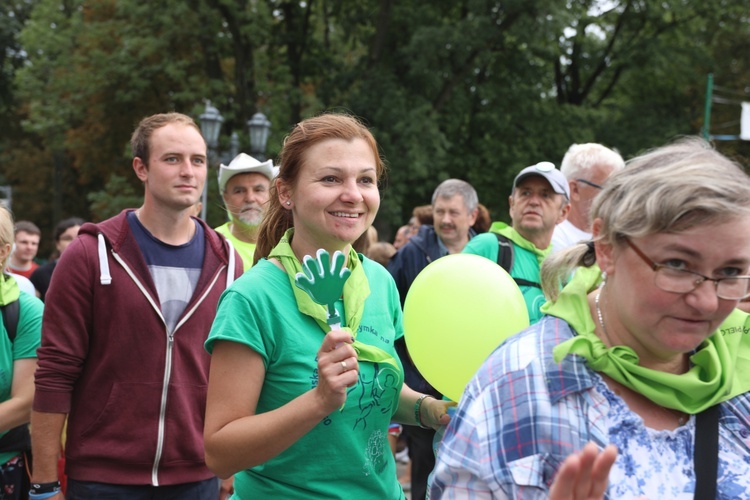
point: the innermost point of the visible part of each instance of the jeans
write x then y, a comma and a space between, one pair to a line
422, 458
88, 490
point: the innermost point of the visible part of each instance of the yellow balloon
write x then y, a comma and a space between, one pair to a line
457, 311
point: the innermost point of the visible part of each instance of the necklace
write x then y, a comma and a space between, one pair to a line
601, 317
682, 418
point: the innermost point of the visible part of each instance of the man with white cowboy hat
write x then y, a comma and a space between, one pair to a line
244, 186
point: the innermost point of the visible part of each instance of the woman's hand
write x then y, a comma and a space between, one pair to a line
584, 475
337, 368
227, 488
434, 412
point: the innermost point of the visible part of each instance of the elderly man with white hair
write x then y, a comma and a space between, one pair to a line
587, 167
245, 185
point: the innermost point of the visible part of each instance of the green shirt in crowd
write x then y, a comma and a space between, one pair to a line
526, 263
28, 338
347, 454
245, 249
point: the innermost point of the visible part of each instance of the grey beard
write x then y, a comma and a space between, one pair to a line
250, 219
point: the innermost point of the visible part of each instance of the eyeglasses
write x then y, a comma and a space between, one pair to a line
675, 280
589, 183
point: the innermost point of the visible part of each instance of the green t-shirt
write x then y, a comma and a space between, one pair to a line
525, 265
346, 455
28, 339
245, 249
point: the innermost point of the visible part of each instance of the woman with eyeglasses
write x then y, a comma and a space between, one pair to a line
635, 382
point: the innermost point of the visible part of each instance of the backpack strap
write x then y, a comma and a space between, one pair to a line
523, 282
505, 252
18, 438
505, 259
706, 452
10, 313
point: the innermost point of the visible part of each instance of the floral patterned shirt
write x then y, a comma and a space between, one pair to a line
523, 414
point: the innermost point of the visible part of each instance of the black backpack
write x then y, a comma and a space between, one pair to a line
18, 438
505, 256
11, 312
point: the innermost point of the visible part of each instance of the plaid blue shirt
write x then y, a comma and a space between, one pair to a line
523, 414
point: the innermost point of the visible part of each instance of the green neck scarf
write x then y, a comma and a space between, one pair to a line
515, 237
720, 368
356, 291
9, 291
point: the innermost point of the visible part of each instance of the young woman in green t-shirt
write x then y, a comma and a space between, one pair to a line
295, 410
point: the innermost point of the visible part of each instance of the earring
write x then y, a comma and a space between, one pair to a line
604, 279
288, 203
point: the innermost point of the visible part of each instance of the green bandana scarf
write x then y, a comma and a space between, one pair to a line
515, 237
720, 368
9, 291
356, 291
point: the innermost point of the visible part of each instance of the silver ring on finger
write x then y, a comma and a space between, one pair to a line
343, 365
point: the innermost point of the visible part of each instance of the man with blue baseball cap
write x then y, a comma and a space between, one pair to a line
539, 201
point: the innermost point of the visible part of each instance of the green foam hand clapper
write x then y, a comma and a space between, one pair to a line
323, 279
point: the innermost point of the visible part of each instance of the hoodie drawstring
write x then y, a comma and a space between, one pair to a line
230, 269
104, 277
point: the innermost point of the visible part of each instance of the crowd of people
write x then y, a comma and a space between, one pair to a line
153, 356
633, 384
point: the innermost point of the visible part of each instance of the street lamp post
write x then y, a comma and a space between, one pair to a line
211, 120
259, 127
6, 196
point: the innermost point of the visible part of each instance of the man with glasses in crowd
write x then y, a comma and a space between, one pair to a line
586, 167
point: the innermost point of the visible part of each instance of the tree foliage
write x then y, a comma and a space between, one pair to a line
474, 89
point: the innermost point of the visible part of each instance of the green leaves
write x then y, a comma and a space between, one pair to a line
474, 89
117, 195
